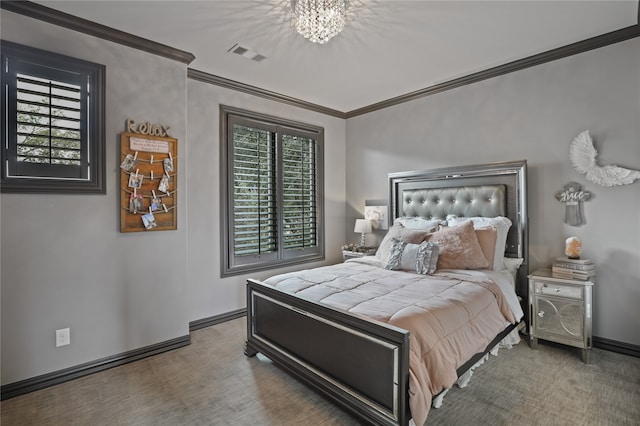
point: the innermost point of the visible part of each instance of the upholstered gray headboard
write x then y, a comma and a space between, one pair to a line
463, 201
488, 190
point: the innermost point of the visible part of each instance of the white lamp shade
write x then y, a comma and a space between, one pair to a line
363, 226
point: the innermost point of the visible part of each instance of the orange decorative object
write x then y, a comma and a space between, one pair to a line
573, 248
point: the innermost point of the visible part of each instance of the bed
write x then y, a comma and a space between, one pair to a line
353, 332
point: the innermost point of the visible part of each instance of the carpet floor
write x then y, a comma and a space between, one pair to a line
211, 382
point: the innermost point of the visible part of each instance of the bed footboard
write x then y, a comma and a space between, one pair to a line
363, 365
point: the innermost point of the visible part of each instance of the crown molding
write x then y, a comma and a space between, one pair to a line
55, 17
531, 61
262, 93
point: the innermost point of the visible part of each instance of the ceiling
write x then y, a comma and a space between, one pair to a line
387, 49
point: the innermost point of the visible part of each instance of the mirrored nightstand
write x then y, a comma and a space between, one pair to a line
351, 254
560, 311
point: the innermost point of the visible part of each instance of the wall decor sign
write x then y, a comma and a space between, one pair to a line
149, 145
147, 128
583, 156
148, 181
573, 196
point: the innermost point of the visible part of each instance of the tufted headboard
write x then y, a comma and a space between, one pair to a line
463, 201
488, 190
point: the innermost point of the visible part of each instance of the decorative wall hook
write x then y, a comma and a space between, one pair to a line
572, 196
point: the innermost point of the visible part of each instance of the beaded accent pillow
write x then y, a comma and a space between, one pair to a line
422, 258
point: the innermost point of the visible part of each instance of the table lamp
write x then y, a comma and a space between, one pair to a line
363, 226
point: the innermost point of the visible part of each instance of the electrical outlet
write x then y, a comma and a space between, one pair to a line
63, 337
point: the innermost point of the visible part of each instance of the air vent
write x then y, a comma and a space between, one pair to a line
246, 52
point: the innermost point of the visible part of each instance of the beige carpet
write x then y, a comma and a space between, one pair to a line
549, 386
211, 382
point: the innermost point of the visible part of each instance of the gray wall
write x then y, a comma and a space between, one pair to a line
532, 114
64, 261
209, 294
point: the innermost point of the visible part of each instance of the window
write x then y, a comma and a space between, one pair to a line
272, 187
52, 122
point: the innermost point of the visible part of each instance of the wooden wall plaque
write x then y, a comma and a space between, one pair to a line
147, 202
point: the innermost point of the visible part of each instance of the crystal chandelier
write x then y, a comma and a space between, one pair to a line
319, 20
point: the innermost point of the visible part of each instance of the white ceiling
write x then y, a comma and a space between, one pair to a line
387, 49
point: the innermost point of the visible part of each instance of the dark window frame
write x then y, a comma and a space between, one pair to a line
232, 264
22, 177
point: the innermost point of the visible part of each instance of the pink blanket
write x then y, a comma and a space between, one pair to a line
450, 316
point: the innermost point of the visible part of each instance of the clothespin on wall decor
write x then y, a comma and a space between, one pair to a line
134, 203
151, 161
165, 208
151, 174
135, 156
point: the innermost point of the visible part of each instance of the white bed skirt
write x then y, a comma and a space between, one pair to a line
507, 342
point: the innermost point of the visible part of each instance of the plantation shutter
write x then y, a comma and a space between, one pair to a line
53, 122
50, 123
254, 193
299, 192
273, 192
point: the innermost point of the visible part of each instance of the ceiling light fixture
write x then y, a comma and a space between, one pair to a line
319, 20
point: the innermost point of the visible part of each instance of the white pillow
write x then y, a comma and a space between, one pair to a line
419, 223
512, 264
502, 225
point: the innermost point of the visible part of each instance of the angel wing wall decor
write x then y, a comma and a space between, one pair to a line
583, 155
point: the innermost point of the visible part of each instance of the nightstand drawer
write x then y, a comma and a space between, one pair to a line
552, 289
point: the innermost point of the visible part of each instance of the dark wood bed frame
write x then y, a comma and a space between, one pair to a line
362, 364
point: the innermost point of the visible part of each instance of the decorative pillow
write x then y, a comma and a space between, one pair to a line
422, 258
487, 239
401, 233
502, 225
419, 223
512, 264
459, 248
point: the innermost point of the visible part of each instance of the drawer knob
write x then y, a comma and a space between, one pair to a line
557, 290
541, 314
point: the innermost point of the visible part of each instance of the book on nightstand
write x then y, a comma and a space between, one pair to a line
576, 269
566, 259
